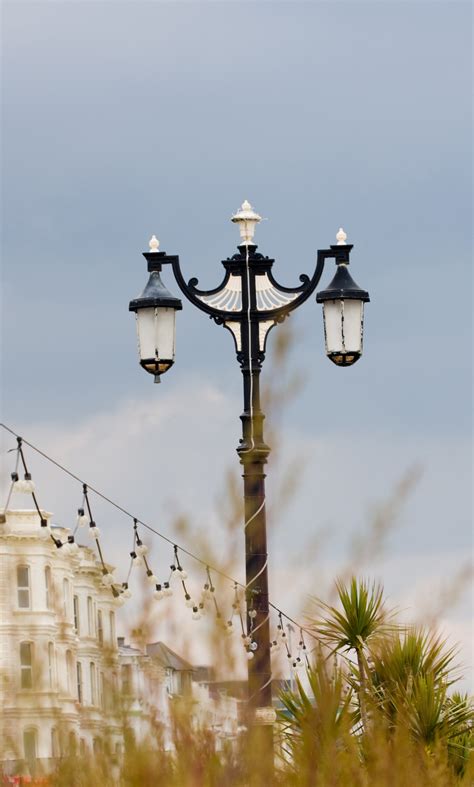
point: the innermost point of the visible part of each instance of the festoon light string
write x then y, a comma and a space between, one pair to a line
138, 557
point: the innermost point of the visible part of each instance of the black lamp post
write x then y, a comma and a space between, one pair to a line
249, 303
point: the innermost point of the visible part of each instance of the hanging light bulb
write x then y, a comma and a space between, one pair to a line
206, 593
119, 601
18, 484
137, 560
126, 592
151, 579
247, 640
253, 646
94, 531
82, 519
141, 548
188, 601
252, 613
249, 655
166, 589
28, 484
108, 579
45, 529
196, 615
229, 627
182, 573
73, 547
158, 593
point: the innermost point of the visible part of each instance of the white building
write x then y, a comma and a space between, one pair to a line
63, 674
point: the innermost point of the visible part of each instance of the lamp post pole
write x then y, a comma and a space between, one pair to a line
249, 303
253, 453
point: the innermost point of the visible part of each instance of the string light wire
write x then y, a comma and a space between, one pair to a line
148, 527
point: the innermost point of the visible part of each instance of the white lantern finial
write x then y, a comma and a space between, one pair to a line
154, 243
247, 219
341, 237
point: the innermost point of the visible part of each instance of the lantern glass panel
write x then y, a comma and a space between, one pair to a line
343, 322
156, 337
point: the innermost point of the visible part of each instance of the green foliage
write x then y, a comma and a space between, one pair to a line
315, 721
362, 616
401, 681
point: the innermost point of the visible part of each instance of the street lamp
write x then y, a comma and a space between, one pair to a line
249, 302
343, 309
155, 311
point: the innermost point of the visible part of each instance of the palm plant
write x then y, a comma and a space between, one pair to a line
432, 716
315, 722
461, 744
396, 660
362, 619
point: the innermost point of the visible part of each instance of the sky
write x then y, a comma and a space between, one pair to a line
125, 119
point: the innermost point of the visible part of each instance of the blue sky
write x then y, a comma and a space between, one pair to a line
125, 119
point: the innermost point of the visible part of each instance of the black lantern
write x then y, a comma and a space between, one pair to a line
155, 311
343, 309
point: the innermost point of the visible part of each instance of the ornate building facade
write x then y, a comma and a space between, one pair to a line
65, 677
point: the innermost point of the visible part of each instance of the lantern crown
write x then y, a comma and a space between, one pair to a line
155, 294
247, 219
342, 287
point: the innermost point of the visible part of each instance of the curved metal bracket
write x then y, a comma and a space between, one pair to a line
191, 292
197, 296
308, 286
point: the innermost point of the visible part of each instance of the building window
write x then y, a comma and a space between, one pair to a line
51, 664
127, 678
54, 743
112, 628
90, 617
93, 683
79, 680
26, 665
69, 672
102, 691
75, 603
29, 746
23, 585
100, 628
66, 597
47, 587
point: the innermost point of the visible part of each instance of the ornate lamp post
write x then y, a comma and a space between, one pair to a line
249, 303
